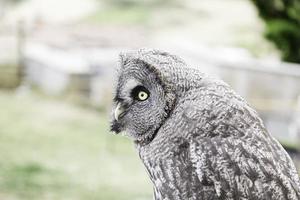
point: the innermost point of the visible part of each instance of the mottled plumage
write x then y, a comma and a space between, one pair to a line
197, 138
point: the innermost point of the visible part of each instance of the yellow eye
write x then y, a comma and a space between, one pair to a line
142, 95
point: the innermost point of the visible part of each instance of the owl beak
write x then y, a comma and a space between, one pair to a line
118, 111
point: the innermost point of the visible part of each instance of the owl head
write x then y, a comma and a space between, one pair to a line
148, 84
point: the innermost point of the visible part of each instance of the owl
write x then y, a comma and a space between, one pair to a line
197, 138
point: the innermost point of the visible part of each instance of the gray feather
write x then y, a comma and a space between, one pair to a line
197, 138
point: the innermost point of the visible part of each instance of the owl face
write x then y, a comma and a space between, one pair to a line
139, 102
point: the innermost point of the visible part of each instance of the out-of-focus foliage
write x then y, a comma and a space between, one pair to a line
13, 1
130, 3
5, 4
119, 15
130, 12
282, 19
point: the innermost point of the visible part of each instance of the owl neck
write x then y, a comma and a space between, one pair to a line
152, 132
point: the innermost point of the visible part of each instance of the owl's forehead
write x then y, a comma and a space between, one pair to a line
125, 87
137, 71
129, 84
132, 76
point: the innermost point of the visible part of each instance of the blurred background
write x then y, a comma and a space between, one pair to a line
57, 61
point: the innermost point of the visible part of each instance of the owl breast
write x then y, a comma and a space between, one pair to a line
173, 174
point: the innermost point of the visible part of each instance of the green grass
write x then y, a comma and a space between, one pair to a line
54, 150
119, 15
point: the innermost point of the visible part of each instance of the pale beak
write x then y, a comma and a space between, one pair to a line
118, 111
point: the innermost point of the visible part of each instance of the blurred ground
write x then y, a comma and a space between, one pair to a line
54, 150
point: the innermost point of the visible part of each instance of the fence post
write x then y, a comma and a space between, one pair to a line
20, 48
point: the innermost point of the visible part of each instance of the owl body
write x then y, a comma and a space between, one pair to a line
201, 140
